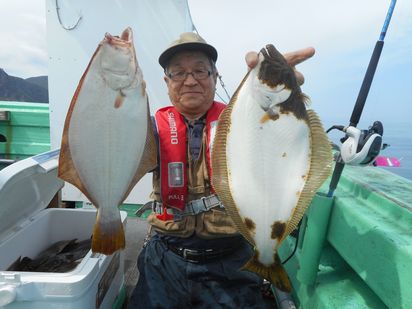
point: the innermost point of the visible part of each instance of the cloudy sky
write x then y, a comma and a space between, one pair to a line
23, 51
343, 33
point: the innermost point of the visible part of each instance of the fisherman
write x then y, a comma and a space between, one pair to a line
193, 258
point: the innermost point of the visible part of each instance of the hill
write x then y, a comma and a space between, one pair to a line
33, 89
41, 81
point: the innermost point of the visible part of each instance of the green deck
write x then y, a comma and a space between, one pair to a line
363, 238
354, 251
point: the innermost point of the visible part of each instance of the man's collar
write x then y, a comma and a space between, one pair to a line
201, 119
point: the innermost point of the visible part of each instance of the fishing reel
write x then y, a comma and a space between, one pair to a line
360, 147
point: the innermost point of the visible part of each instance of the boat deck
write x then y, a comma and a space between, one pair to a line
136, 230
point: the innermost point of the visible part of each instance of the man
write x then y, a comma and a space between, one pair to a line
193, 260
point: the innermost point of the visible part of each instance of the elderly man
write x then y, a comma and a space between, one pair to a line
193, 260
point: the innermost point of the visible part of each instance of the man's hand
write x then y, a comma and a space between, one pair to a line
293, 58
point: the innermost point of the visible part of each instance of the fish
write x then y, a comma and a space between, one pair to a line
62, 256
269, 157
108, 142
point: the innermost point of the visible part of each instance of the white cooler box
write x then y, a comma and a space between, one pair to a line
27, 228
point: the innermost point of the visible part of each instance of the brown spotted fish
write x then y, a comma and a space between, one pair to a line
270, 155
108, 142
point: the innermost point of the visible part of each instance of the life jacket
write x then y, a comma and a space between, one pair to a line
172, 133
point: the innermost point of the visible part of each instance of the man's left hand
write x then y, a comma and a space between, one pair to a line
292, 58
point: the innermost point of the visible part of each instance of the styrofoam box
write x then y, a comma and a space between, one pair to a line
28, 227
94, 283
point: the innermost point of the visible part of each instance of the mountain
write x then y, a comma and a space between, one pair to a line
33, 89
41, 81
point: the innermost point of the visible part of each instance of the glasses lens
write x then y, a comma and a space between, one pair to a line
181, 76
200, 74
177, 76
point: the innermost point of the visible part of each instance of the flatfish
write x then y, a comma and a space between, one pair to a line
62, 256
269, 157
108, 141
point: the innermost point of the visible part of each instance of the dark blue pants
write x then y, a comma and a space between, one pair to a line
166, 280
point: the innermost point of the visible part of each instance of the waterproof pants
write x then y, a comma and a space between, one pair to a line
167, 280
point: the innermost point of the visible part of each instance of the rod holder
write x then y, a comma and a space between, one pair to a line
317, 221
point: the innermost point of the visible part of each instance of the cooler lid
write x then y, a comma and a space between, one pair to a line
27, 187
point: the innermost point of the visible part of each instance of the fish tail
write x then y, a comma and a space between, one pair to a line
108, 236
275, 273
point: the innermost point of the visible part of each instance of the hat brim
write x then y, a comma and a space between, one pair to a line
209, 50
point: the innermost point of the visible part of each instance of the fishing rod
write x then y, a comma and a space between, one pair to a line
361, 146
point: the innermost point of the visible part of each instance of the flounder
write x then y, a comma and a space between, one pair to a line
108, 141
269, 157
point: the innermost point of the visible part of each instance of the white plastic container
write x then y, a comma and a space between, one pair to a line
27, 228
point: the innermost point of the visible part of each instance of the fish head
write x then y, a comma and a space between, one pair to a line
118, 61
274, 80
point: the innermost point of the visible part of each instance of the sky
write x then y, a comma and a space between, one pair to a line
343, 33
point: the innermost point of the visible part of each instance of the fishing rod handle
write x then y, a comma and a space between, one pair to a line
366, 84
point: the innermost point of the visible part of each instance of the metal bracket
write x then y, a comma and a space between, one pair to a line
4, 115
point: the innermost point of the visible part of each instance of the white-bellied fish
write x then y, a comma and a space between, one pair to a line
270, 155
108, 142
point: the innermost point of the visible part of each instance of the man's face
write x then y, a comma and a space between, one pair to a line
192, 97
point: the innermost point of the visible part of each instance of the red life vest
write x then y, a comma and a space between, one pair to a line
172, 131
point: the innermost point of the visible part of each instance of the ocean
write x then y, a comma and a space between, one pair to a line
399, 138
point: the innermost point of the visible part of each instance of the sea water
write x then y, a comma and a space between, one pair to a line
399, 138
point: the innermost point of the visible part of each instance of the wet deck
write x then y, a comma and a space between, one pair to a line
136, 230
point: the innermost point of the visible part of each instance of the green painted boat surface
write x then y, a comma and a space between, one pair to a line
354, 250
27, 129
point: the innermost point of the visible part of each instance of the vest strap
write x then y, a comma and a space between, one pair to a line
192, 208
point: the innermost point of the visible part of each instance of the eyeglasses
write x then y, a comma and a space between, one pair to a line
180, 76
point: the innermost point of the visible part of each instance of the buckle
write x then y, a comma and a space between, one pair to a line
194, 207
185, 252
203, 199
211, 201
192, 255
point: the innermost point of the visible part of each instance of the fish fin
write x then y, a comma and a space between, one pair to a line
220, 175
275, 273
66, 169
108, 236
148, 161
119, 99
320, 169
